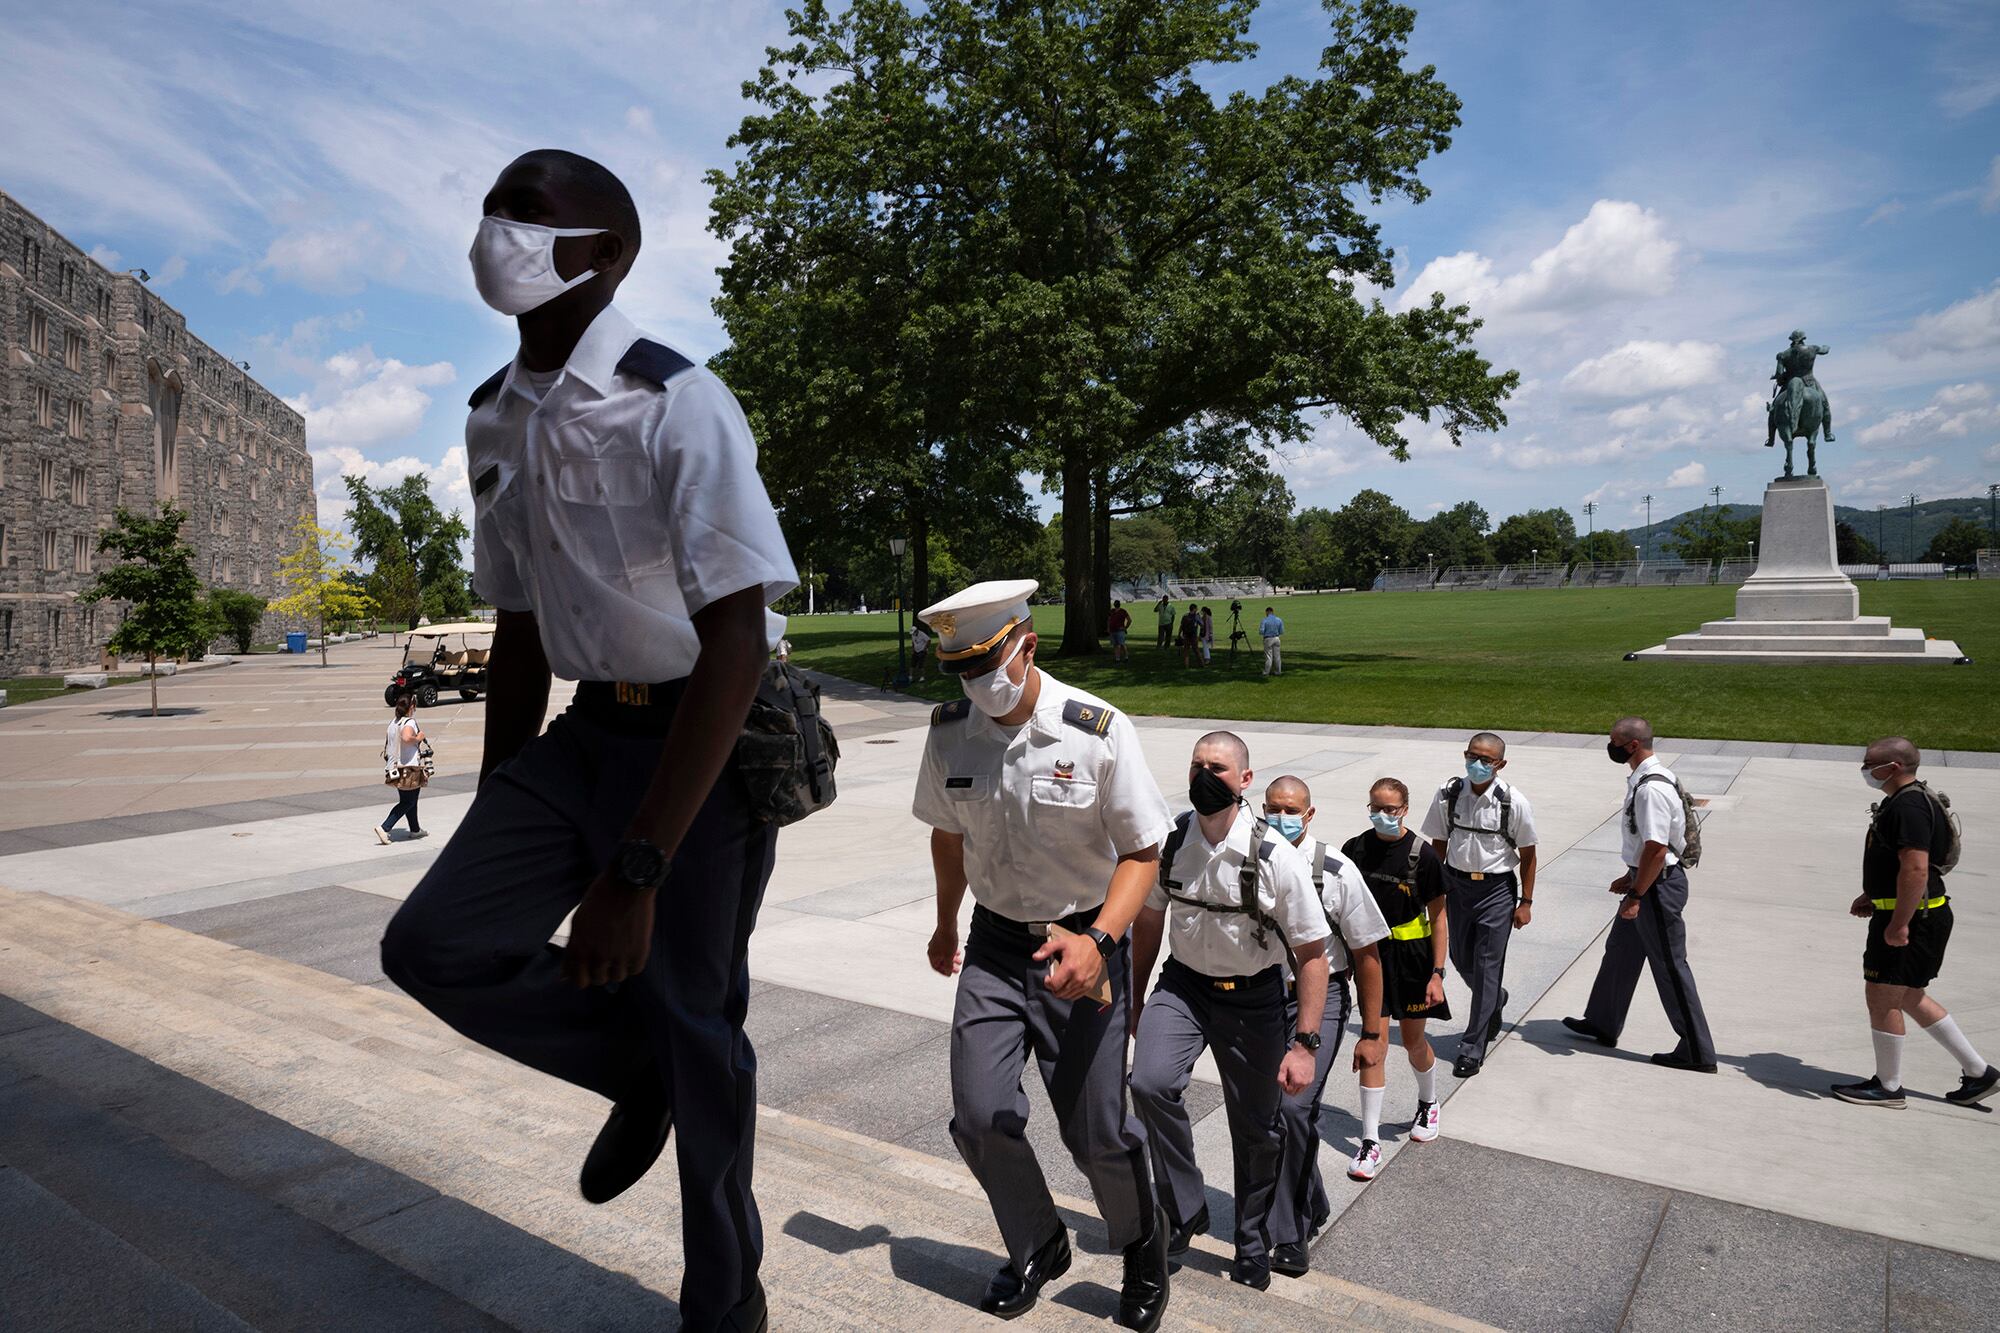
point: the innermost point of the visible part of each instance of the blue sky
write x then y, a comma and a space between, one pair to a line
1642, 202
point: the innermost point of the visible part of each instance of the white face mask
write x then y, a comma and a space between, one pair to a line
514, 264
1868, 776
996, 694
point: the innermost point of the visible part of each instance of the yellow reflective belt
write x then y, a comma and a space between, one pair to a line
1418, 928
1889, 904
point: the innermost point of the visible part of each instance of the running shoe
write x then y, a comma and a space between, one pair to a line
1367, 1161
1975, 1087
1425, 1127
381, 835
1870, 1093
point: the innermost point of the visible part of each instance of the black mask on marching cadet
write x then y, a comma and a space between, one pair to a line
1208, 793
1620, 754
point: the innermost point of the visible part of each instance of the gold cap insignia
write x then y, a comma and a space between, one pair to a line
945, 623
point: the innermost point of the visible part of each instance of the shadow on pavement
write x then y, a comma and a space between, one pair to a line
959, 1273
147, 712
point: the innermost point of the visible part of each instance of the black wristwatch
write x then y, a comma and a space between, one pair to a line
1437, 972
1366, 1035
1309, 1040
639, 865
1106, 946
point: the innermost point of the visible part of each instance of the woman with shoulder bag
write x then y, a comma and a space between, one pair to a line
404, 767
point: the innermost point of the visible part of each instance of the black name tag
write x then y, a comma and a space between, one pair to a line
958, 782
485, 480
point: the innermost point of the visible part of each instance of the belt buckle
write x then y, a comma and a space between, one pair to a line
635, 694
1475, 874
1223, 985
1039, 929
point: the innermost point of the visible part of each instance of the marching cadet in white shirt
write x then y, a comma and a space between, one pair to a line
625, 537
1234, 900
1484, 830
1300, 1207
1039, 801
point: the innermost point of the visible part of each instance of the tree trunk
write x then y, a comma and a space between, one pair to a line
153, 677
920, 553
1100, 561
322, 636
1079, 624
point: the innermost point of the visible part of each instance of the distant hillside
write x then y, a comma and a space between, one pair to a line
1894, 525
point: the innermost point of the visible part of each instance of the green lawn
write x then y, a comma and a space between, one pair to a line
27, 689
1531, 660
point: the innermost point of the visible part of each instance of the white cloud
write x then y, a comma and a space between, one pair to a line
1688, 474
336, 260
361, 399
1643, 367
1619, 251
167, 274
1990, 201
1954, 412
1872, 481
1966, 326
1962, 395
1884, 212
106, 256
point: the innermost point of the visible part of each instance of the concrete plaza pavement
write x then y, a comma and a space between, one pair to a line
1615, 1193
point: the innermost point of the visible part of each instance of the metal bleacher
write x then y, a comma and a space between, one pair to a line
1606, 574
1533, 576
1469, 578
1918, 570
1405, 578
1735, 571
1988, 563
1675, 573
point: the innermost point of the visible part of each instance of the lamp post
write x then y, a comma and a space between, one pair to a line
1649, 525
1534, 556
897, 545
1911, 544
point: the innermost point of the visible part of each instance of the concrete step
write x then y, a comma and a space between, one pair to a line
49, 1252
1859, 627
355, 1109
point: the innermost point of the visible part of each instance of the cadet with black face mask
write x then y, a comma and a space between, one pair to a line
624, 535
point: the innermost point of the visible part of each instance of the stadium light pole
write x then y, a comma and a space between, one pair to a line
1649, 527
1589, 525
1911, 542
1993, 510
897, 545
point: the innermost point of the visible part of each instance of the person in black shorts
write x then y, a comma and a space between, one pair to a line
1909, 924
1406, 877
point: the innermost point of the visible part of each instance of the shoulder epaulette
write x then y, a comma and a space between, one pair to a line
954, 711
648, 360
1093, 718
489, 387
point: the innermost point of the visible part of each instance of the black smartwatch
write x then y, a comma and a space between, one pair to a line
639, 865
1106, 946
1437, 972
1309, 1040
1366, 1035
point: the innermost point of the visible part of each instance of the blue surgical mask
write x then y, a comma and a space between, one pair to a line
1479, 771
1386, 824
1290, 827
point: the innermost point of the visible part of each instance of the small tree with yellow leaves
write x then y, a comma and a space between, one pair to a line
320, 581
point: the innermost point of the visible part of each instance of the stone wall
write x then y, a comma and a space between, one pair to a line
106, 399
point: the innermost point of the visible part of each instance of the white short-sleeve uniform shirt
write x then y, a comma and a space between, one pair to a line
1656, 808
1045, 808
615, 507
1476, 847
1225, 944
1347, 902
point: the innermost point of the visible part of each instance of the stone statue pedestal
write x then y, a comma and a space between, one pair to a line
1798, 607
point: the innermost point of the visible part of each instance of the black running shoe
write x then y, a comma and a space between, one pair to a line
1870, 1093
1973, 1089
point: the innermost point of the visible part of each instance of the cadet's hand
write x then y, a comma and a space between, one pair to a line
1897, 937
1368, 1052
1629, 910
1295, 1072
611, 935
1522, 915
1078, 967
1434, 991
943, 951
1862, 907
1623, 884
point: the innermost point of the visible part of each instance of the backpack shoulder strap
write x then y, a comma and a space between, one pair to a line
1506, 799
1417, 846
1451, 794
1173, 847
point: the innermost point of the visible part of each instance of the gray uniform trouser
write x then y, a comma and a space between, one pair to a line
1004, 1013
1245, 1027
472, 945
1301, 1195
1481, 917
1656, 938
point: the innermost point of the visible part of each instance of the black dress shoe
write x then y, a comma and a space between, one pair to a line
1012, 1292
1142, 1300
1184, 1234
1682, 1060
749, 1315
1494, 1024
1582, 1028
626, 1148
1465, 1066
1293, 1260
1253, 1271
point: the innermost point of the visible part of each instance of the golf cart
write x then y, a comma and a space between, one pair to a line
443, 657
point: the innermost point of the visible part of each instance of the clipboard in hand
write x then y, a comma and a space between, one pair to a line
1103, 992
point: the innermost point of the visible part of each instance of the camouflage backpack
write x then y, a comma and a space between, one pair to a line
787, 751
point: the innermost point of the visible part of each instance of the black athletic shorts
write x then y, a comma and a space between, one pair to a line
1406, 972
1916, 963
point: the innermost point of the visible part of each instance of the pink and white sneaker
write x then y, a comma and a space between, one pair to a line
1367, 1161
1425, 1127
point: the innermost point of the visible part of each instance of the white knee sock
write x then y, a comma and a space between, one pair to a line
1371, 1113
1888, 1058
1427, 1083
1948, 1036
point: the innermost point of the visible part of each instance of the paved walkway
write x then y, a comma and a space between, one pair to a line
1574, 1187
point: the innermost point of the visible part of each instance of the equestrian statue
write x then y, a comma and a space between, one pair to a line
1799, 410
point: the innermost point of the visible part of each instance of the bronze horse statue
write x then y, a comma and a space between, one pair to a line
1799, 410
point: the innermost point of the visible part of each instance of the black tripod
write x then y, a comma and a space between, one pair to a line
1236, 631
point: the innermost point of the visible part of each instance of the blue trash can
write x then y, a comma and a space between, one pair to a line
295, 641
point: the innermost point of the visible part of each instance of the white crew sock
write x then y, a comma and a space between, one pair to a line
1948, 1036
1888, 1058
1371, 1113
1427, 1083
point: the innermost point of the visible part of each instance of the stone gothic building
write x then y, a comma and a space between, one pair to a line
106, 399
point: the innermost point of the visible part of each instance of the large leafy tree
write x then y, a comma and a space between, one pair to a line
1370, 532
1851, 548
1455, 536
1144, 546
155, 574
1603, 548
1957, 542
1545, 535
1318, 564
413, 545
1026, 233
1714, 534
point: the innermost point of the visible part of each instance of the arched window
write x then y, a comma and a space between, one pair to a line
163, 396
